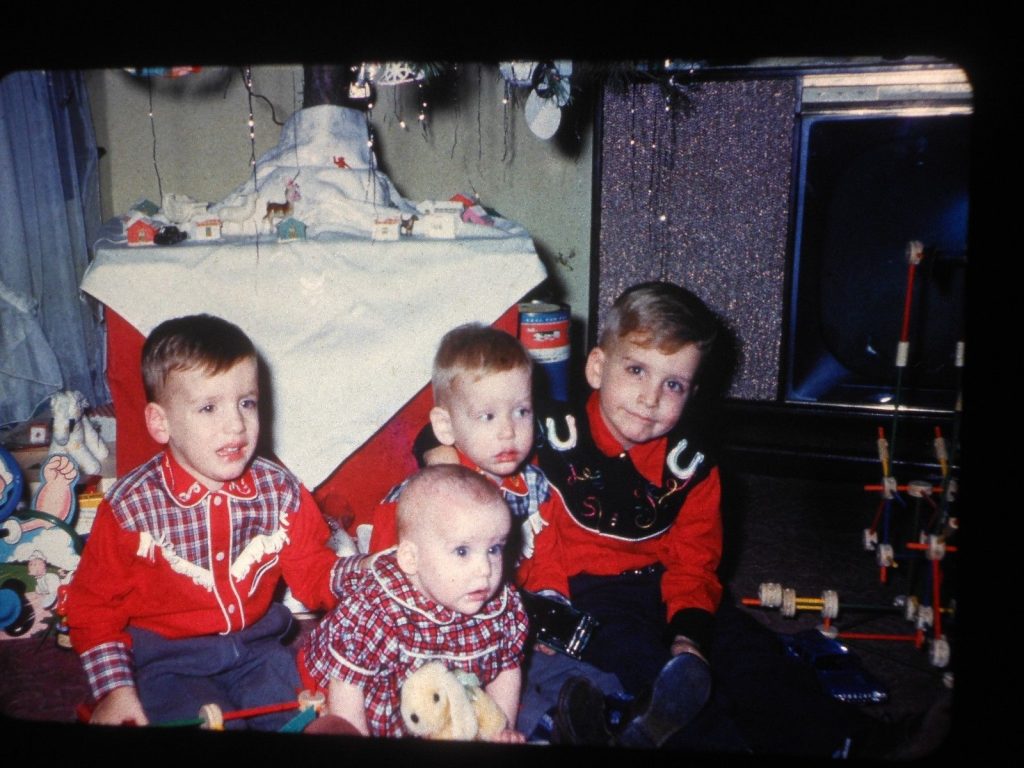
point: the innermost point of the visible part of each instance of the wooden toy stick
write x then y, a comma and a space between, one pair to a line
901, 488
267, 709
925, 547
915, 253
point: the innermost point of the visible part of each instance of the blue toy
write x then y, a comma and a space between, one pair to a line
839, 671
11, 484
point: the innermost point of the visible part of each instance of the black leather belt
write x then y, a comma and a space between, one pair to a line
647, 570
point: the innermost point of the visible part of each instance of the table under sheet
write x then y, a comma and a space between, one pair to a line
347, 326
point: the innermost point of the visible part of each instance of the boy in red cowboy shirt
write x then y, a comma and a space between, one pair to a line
171, 606
640, 540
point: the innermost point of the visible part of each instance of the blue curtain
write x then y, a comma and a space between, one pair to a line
51, 336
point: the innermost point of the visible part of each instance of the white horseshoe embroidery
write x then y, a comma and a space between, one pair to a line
673, 462
561, 445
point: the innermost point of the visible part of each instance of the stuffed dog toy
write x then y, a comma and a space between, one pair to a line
438, 703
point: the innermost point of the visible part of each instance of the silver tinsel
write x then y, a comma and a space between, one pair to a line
701, 196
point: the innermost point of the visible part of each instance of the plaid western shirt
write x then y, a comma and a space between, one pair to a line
168, 555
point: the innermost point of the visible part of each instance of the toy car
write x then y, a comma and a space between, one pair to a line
169, 235
839, 671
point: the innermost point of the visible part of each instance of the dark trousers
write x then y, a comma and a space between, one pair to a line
250, 668
632, 641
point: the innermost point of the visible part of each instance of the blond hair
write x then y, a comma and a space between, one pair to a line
474, 350
660, 315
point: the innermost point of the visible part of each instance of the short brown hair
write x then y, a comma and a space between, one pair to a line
426, 491
194, 341
478, 350
666, 315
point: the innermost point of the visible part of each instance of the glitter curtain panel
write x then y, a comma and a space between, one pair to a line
699, 194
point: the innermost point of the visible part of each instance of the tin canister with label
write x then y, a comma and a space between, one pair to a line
544, 332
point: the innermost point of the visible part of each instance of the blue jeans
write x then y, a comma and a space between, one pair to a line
630, 640
250, 668
543, 677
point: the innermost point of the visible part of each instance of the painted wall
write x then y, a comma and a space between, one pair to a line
473, 144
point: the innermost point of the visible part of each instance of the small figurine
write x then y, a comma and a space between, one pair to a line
283, 210
74, 434
140, 230
291, 229
339, 161
169, 235
207, 229
181, 209
386, 229
278, 211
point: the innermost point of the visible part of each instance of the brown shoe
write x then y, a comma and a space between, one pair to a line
580, 715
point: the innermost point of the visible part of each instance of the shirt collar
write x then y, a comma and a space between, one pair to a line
399, 587
515, 484
648, 458
187, 491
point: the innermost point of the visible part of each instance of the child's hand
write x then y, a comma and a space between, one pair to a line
442, 454
119, 707
683, 644
509, 736
346, 701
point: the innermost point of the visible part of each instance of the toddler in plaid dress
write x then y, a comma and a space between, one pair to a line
439, 595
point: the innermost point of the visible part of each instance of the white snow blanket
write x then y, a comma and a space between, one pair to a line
348, 326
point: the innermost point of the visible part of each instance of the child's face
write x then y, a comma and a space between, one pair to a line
490, 420
458, 559
642, 391
209, 422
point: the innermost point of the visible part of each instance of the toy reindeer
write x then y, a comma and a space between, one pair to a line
283, 210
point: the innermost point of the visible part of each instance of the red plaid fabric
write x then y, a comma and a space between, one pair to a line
383, 629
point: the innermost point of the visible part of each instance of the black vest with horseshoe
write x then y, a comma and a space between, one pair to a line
607, 494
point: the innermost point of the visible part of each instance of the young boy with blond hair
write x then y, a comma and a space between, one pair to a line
483, 409
171, 606
638, 542
438, 595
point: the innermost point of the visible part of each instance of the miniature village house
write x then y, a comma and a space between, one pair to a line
207, 229
140, 231
291, 229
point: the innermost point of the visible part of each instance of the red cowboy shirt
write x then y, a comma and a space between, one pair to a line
168, 555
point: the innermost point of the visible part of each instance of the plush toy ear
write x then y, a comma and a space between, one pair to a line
441, 421
463, 715
422, 709
156, 423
